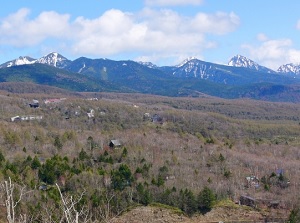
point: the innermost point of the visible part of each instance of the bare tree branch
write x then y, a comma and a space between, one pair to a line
71, 215
8, 188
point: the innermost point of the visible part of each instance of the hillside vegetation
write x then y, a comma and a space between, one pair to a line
193, 79
186, 153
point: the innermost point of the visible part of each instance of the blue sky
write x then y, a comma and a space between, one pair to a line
164, 32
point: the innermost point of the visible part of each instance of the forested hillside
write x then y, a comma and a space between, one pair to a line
93, 156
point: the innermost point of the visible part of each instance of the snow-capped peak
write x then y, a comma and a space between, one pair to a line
290, 68
53, 59
242, 61
22, 60
147, 64
186, 61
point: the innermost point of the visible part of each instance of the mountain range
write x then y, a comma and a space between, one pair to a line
241, 77
59, 61
52, 59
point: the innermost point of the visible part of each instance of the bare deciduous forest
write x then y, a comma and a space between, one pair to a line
190, 154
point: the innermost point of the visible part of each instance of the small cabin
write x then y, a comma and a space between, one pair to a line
114, 143
15, 118
157, 119
248, 201
43, 187
34, 104
147, 117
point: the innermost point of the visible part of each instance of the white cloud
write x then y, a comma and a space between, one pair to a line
218, 23
273, 53
159, 32
163, 33
18, 30
170, 21
172, 2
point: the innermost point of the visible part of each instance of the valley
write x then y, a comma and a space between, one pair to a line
152, 111
169, 150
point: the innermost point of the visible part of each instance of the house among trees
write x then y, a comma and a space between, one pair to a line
156, 118
114, 143
15, 118
146, 117
248, 201
258, 203
34, 104
43, 187
273, 204
26, 118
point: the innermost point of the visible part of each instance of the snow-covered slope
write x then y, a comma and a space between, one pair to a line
241, 61
55, 60
52, 59
187, 60
290, 68
147, 64
192, 67
195, 68
20, 61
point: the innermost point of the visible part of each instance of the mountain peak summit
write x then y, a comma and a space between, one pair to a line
242, 61
22, 60
54, 59
186, 61
290, 68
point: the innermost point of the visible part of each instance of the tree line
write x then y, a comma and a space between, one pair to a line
88, 190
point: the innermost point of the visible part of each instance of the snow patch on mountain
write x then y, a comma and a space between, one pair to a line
192, 67
80, 70
54, 59
186, 61
290, 68
22, 60
242, 61
147, 64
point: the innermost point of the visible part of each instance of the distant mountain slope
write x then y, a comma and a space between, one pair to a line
110, 69
129, 74
241, 61
48, 75
55, 60
222, 74
28, 87
19, 61
192, 77
52, 59
292, 69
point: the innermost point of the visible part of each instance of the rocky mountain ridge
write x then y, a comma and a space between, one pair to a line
291, 68
241, 61
194, 77
190, 67
53, 59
